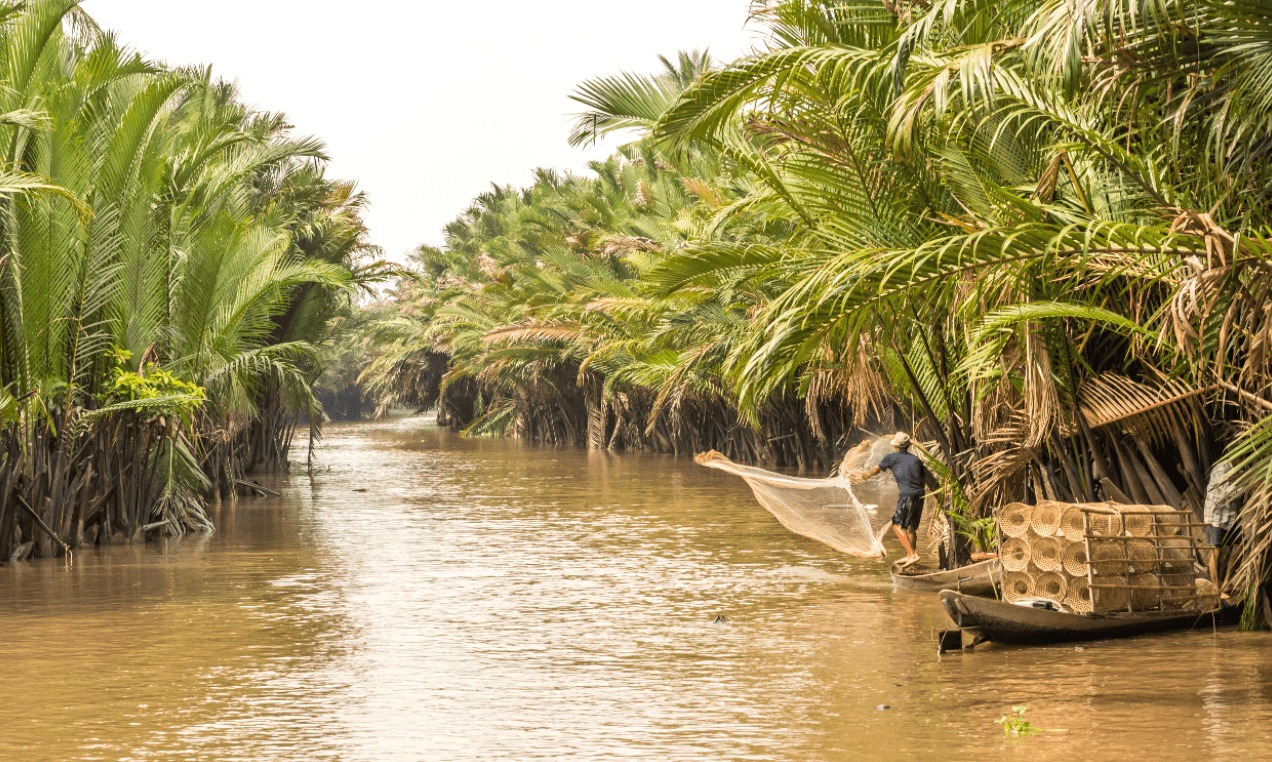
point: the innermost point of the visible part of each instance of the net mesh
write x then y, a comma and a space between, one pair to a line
826, 510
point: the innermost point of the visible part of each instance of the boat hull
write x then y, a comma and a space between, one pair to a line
1007, 623
975, 579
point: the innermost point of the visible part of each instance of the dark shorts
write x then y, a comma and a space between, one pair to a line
1221, 538
909, 511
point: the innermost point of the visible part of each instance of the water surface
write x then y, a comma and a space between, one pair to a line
428, 597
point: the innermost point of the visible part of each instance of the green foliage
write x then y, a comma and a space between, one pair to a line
1016, 724
969, 213
153, 383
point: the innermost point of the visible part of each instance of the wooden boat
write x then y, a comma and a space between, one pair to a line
990, 619
974, 579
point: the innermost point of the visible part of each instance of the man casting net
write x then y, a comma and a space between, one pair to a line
826, 510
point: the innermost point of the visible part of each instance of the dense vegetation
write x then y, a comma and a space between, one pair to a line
169, 258
1035, 230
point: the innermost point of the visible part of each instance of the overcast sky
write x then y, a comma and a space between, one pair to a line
426, 103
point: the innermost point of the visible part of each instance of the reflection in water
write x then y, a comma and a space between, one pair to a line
486, 600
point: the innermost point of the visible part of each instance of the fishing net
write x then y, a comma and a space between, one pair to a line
1052, 586
826, 510
1013, 519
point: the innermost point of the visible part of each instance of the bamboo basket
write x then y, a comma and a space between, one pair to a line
1108, 559
1052, 586
1014, 518
1017, 585
1137, 520
1071, 523
1105, 524
1109, 599
1045, 520
1078, 598
1015, 554
1046, 554
1168, 520
1145, 591
1143, 556
1074, 560
1177, 555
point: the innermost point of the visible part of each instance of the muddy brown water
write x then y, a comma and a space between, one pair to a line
428, 597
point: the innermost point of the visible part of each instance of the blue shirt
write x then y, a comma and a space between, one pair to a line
908, 471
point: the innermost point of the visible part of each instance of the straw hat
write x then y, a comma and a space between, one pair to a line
901, 440
1013, 519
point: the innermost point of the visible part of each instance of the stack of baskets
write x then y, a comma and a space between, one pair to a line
1135, 557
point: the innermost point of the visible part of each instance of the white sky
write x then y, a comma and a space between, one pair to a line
426, 103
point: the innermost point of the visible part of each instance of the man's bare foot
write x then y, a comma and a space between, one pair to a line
907, 561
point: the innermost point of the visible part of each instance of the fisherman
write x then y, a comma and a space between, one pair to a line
909, 472
1221, 515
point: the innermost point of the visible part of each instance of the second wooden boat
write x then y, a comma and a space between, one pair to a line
974, 579
990, 619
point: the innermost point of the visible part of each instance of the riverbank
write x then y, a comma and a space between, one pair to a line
486, 600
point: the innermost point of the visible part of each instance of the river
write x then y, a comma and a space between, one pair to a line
424, 596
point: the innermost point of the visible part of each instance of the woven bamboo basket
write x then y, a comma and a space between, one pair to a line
1104, 599
1051, 585
1017, 585
1013, 519
1106, 524
1207, 595
1143, 556
1177, 555
1168, 521
1074, 559
1145, 597
1107, 558
1015, 554
1078, 598
1137, 520
1071, 523
1045, 519
1178, 598
1046, 554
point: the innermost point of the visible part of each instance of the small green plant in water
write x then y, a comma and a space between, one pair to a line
1018, 725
